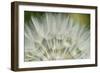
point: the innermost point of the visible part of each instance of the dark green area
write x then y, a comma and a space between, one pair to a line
28, 14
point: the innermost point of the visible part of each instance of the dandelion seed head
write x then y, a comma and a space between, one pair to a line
55, 36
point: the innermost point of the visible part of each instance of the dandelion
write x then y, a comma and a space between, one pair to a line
55, 36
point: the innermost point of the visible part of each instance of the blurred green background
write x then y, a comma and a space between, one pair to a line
83, 19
